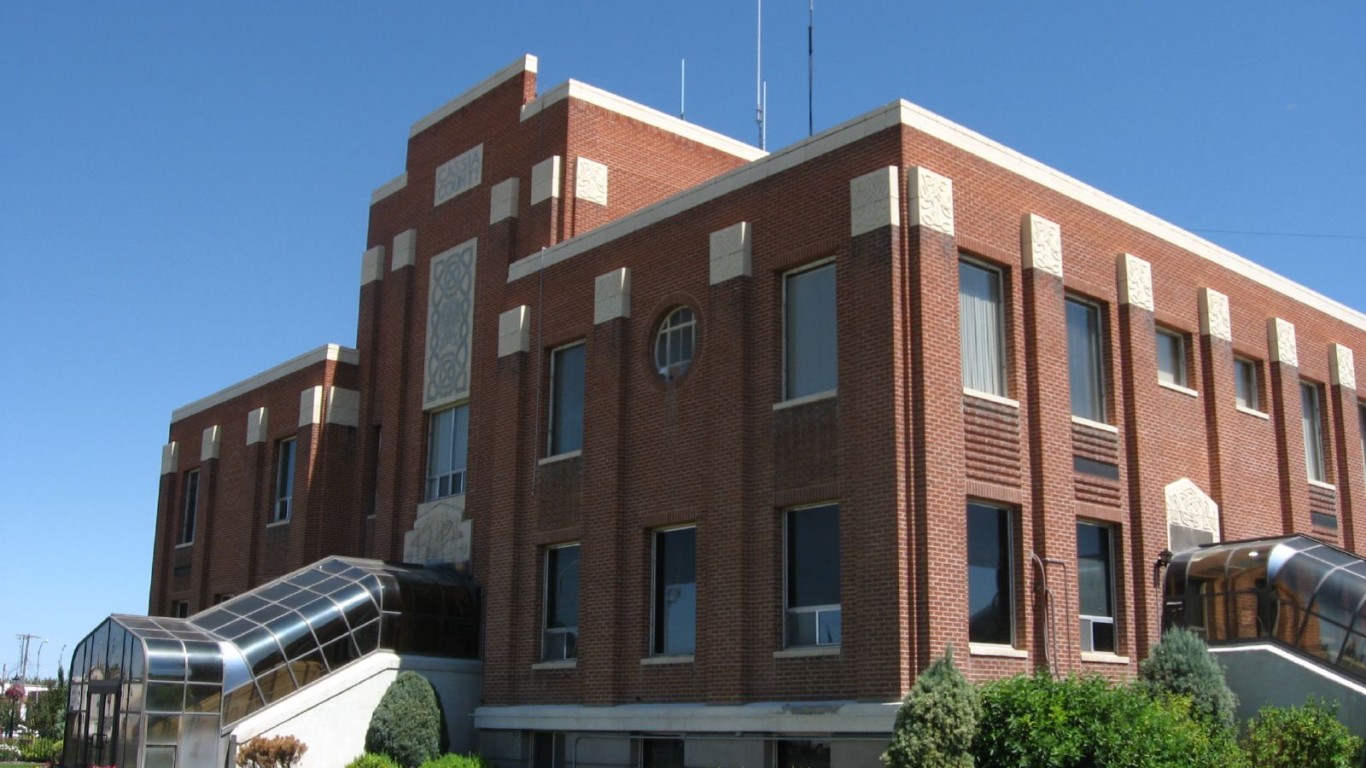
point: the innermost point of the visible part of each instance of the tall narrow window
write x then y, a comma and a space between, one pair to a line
1313, 431
813, 576
1246, 391
190, 511
284, 481
981, 324
560, 639
1171, 358
447, 437
566, 399
675, 592
1085, 360
991, 596
810, 354
1361, 418
1096, 575
180, 609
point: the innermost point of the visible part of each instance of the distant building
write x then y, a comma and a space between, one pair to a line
688, 412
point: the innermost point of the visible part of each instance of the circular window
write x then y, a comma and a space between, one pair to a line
674, 343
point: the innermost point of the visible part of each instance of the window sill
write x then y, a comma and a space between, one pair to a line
566, 664
561, 457
828, 394
999, 651
184, 545
1102, 426
1254, 412
1323, 485
1178, 388
807, 652
999, 400
656, 661
278, 523
1103, 658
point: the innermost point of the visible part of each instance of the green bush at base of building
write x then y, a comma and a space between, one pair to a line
1309, 736
406, 724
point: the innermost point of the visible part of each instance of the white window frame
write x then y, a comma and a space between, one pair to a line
1002, 388
546, 630
553, 401
656, 536
821, 610
1181, 376
282, 493
1098, 343
189, 509
446, 481
1252, 381
1089, 621
1315, 463
670, 333
804, 269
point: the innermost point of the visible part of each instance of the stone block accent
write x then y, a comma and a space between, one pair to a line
590, 181
372, 265
874, 201
1042, 244
311, 406
405, 249
1135, 281
258, 425
1343, 368
503, 200
209, 445
514, 331
170, 458
1214, 317
931, 200
612, 296
343, 407
731, 252
1280, 338
545, 179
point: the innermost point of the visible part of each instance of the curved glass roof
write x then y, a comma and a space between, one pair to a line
1294, 590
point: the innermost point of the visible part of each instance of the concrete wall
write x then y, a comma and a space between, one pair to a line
1264, 675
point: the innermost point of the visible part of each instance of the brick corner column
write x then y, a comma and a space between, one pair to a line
1287, 417
1351, 464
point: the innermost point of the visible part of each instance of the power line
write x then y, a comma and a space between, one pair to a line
1278, 234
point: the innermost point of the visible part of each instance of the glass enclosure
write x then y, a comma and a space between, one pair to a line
1295, 591
153, 692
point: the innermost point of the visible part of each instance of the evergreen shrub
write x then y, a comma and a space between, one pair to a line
456, 761
406, 724
937, 722
372, 760
1181, 665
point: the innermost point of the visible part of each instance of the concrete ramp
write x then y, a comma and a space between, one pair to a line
1266, 674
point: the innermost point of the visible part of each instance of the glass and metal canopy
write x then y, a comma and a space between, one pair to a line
152, 692
1293, 590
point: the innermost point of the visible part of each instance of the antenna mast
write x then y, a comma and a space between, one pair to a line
682, 88
810, 66
760, 89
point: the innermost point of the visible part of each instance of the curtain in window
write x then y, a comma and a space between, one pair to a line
981, 326
1313, 442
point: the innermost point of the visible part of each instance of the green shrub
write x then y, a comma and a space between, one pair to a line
456, 761
1310, 736
937, 722
40, 750
1181, 665
271, 752
407, 723
372, 760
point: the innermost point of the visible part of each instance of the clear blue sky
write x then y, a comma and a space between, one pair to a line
184, 186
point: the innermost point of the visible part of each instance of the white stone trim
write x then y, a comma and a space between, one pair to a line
1254, 412
756, 717
526, 63
874, 201
662, 661
1178, 388
731, 252
1343, 369
1214, 316
405, 250
1042, 242
590, 181
210, 442
574, 454
343, 407
1102, 426
1135, 277
573, 89
514, 331
258, 425
332, 352
311, 406
980, 395
372, 265
1323, 485
807, 652
1103, 658
389, 187
997, 651
170, 458
503, 200
1305, 664
612, 296
804, 399
1280, 337
545, 179
1190, 507
458, 175
930, 200
566, 664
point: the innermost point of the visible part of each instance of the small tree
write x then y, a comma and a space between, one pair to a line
1310, 736
1181, 665
937, 722
271, 752
407, 723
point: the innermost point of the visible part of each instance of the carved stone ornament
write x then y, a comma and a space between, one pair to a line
1344, 367
1043, 244
931, 200
1135, 282
590, 181
1188, 506
1281, 337
450, 323
874, 201
1214, 317
459, 174
440, 535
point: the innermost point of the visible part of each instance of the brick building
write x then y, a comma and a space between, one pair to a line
677, 403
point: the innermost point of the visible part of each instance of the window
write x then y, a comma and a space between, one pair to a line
1171, 358
566, 399
223, 597
1246, 390
447, 437
990, 578
1361, 417
1096, 575
981, 323
284, 481
675, 592
560, 640
813, 576
547, 750
675, 342
1313, 431
809, 348
793, 753
661, 753
180, 609
1085, 363
190, 510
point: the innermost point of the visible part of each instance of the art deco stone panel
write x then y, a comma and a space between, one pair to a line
992, 441
1343, 367
1135, 282
1042, 244
1214, 317
459, 174
1192, 516
590, 181
1280, 336
440, 535
931, 200
450, 326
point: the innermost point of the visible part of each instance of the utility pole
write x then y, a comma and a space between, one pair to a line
23, 655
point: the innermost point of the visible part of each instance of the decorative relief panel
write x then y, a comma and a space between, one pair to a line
1192, 516
1214, 318
931, 203
590, 181
1344, 366
450, 324
1043, 244
1135, 282
1281, 337
459, 174
440, 534
731, 250
874, 201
